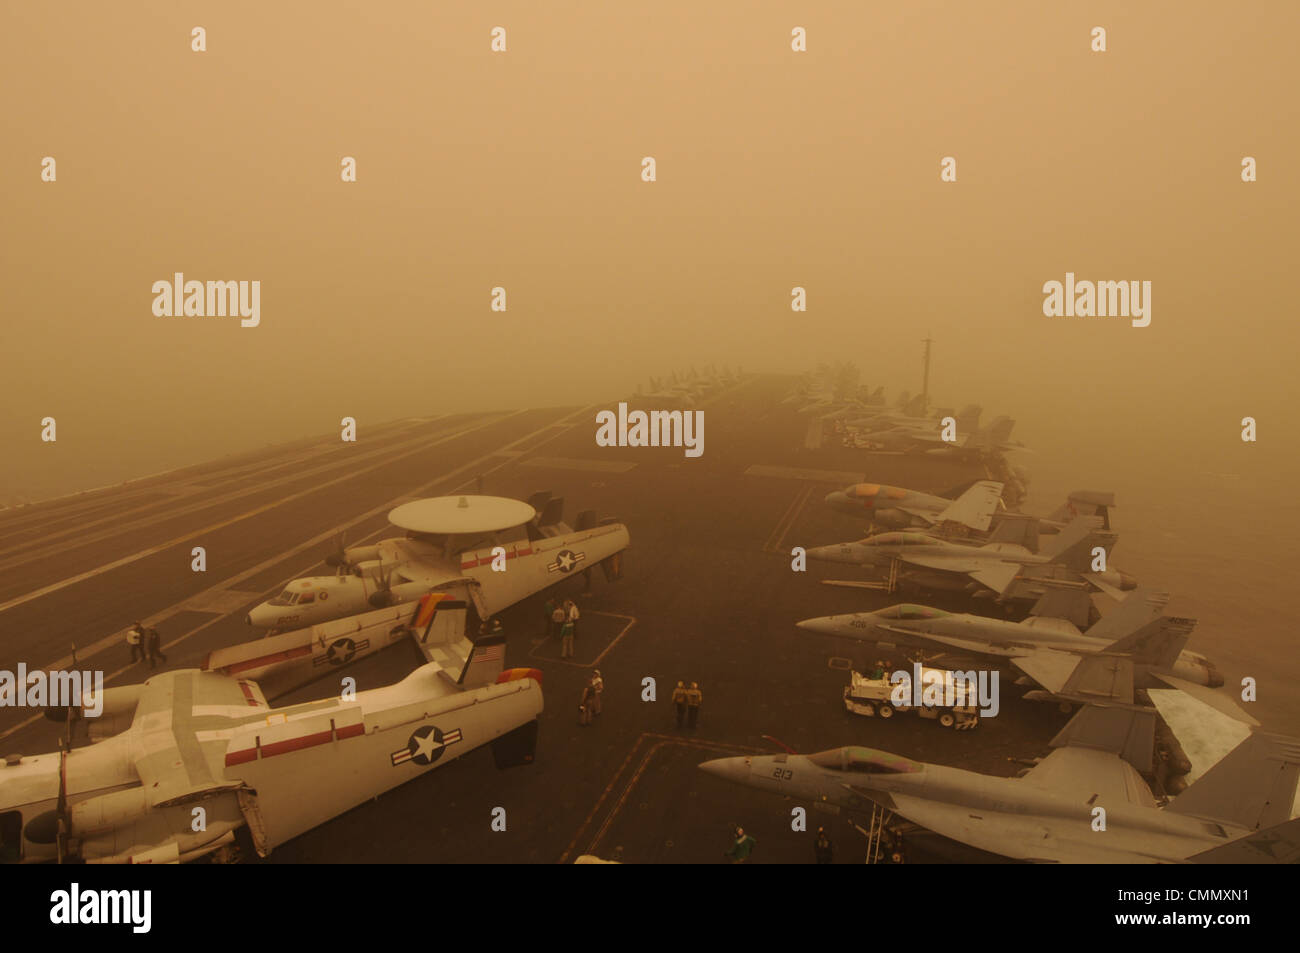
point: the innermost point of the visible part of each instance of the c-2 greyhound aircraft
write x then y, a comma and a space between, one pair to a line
190, 757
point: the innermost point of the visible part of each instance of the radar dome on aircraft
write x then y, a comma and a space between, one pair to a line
461, 514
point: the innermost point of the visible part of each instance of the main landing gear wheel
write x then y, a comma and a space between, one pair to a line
947, 719
886, 711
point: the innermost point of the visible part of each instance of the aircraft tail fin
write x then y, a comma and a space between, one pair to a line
1141, 606
1071, 540
1157, 643
1017, 528
443, 634
999, 432
975, 507
968, 419
1065, 600
552, 513
1279, 844
1253, 786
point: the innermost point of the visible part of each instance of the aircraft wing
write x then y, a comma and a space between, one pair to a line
302, 771
167, 753
1279, 844
1083, 678
997, 576
993, 573
1024, 837
1089, 773
975, 507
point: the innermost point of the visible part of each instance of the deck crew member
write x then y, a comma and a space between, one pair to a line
679, 700
135, 641
693, 699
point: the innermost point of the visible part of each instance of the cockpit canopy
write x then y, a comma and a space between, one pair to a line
909, 611
298, 592
865, 761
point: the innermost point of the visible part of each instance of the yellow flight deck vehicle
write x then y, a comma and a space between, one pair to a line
957, 704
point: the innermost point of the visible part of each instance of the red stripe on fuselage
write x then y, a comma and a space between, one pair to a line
290, 745
487, 560
236, 667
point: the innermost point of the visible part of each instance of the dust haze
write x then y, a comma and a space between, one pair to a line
775, 170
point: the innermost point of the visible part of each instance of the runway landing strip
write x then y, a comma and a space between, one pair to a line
708, 595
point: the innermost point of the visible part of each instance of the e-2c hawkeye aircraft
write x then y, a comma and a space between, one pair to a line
449, 539
177, 766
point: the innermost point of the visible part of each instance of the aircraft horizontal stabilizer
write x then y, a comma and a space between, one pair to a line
1122, 730
1254, 786
1279, 844
1207, 724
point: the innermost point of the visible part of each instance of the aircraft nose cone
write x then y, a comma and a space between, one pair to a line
824, 625
729, 769
827, 553
838, 499
839, 626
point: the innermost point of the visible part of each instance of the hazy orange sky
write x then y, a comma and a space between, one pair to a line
522, 169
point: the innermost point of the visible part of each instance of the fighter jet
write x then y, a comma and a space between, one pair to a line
1006, 570
449, 539
915, 419
1129, 648
967, 441
894, 507
194, 745
1086, 802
